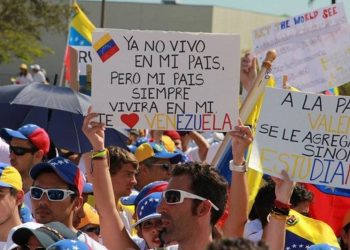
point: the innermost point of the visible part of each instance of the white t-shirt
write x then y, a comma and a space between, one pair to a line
93, 244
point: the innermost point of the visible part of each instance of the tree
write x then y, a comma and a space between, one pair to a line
21, 25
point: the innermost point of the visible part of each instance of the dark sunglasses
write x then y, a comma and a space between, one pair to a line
95, 230
22, 151
175, 196
53, 194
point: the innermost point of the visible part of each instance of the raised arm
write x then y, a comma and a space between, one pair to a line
238, 199
275, 231
113, 231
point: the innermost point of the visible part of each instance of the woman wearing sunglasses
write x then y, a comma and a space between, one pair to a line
148, 222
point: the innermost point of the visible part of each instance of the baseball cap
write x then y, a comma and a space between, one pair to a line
168, 143
155, 150
156, 186
173, 134
35, 134
10, 177
64, 168
68, 245
47, 234
23, 66
147, 208
91, 216
35, 66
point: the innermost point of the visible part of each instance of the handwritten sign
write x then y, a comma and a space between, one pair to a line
313, 49
165, 80
308, 135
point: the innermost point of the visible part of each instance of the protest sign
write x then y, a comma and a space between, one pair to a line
165, 80
308, 135
313, 48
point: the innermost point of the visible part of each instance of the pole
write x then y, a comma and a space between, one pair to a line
103, 13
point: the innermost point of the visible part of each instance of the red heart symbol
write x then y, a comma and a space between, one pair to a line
131, 120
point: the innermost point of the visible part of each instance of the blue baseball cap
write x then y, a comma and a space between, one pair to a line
147, 208
68, 245
31, 132
155, 150
156, 186
64, 168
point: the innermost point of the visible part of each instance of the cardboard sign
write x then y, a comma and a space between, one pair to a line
165, 80
313, 48
308, 135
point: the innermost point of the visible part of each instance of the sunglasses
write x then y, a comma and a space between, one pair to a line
175, 196
95, 230
149, 224
165, 166
53, 194
22, 151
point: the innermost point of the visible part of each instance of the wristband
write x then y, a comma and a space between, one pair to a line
97, 155
282, 211
281, 205
238, 168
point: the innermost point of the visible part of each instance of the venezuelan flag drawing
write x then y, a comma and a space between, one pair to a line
106, 47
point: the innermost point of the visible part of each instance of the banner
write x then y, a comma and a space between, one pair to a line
165, 80
313, 48
308, 135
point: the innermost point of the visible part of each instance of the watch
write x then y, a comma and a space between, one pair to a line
238, 168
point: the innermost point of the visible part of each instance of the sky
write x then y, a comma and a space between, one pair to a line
277, 7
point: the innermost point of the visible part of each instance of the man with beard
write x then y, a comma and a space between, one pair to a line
56, 194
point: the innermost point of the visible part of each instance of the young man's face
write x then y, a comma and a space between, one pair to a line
23, 163
8, 204
124, 180
46, 211
177, 219
160, 170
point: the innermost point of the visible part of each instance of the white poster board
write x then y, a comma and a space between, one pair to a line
165, 80
313, 49
308, 135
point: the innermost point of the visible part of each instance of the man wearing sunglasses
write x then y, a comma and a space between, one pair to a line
194, 201
28, 146
155, 163
11, 198
56, 194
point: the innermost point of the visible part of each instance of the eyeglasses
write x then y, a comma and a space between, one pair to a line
53, 194
22, 151
166, 166
149, 224
95, 230
175, 196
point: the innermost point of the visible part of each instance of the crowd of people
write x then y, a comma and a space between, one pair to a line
35, 74
159, 192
